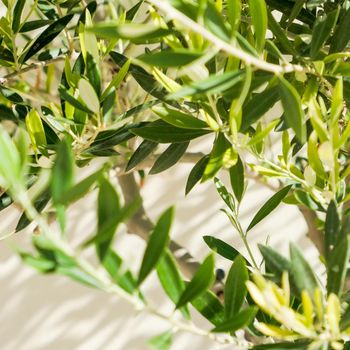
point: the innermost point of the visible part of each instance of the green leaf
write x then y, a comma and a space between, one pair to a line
156, 244
162, 132
274, 262
237, 179
209, 306
200, 282
170, 279
165, 59
131, 13
35, 24
17, 13
298, 5
196, 173
35, 130
337, 266
39, 263
108, 206
258, 106
321, 31
65, 95
235, 288
117, 79
302, 345
234, 14
179, 119
39, 204
212, 85
93, 73
162, 341
269, 206
216, 158
341, 35
89, 96
258, 12
331, 227
213, 20
169, 157
62, 171
239, 321
293, 112
141, 153
303, 275
45, 37
135, 32
77, 274
144, 79
224, 194
221, 247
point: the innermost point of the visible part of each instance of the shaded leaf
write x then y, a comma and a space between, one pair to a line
162, 132
156, 244
235, 288
196, 173
269, 206
240, 320
221, 247
169, 157
200, 282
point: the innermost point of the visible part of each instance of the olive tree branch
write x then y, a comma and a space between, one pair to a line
32, 66
221, 44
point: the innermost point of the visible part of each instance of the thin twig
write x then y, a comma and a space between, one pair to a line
31, 67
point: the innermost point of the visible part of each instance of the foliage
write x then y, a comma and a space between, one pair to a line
86, 80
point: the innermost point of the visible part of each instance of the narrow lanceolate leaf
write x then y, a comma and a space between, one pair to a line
213, 20
17, 13
321, 31
337, 266
332, 225
196, 174
237, 179
62, 172
162, 341
88, 95
93, 73
200, 282
162, 132
240, 320
274, 261
170, 279
141, 153
35, 130
136, 32
156, 244
169, 157
209, 306
212, 85
293, 112
298, 5
165, 59
302, 273
258, 12
107, 208
269, 206
179, 119
234, 14
221, 247
341, 35
45, 37
224, 194
216, 159
235, 289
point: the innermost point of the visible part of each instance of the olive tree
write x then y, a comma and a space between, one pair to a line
129, 86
